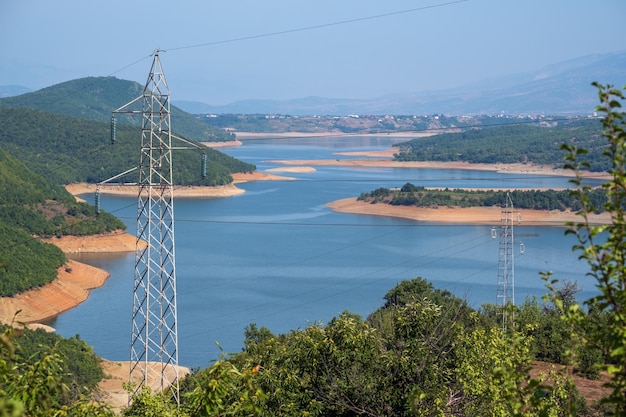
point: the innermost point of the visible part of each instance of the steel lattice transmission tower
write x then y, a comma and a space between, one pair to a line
154, 335
506, 262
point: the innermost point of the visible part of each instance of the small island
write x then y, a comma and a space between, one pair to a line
532, 207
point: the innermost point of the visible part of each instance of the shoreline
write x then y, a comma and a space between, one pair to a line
338, 134
223, 144
116, 241
73, 282
524, 169
75, 279
384, 159
463, 215
131, 190
38, 306
184, 191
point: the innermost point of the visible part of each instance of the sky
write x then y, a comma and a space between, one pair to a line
219, 52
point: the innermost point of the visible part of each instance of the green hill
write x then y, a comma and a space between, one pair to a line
66, 150
30, 205
515, 143
94, 98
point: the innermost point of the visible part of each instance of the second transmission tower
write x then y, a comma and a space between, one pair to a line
506, 262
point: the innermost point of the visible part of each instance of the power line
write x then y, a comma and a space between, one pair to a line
288, 31
315, 27
130, 65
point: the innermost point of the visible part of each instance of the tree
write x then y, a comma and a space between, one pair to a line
492, 374
148, 404
224, 390
34, 386
604, 249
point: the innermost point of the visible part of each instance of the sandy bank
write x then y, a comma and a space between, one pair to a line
384, 159
111, 388
385, 153
182, 191
74, 280
387, 163
293, 169
179, 191
457, 215
240, 177
283, 135
337, 134
118, 241
223, 144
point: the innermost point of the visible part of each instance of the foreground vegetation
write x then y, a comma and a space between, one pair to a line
425, 352
66, 369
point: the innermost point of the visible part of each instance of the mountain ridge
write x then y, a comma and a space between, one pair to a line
563, 88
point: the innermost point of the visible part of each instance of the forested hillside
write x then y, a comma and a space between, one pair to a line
30, 205
516, 143
67, 149
94, 98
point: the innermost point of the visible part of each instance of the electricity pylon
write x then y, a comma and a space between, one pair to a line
505, 292
154, 335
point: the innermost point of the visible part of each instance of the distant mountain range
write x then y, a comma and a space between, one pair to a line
13, 90
559, 89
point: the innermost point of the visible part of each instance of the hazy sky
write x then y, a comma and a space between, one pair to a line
222, 51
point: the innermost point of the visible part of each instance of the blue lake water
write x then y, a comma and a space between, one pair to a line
277, 257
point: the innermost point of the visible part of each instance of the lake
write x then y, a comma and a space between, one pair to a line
277, 257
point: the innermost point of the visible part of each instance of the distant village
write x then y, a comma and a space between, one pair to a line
356, 123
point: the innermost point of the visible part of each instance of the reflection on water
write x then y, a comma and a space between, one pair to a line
99, 260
